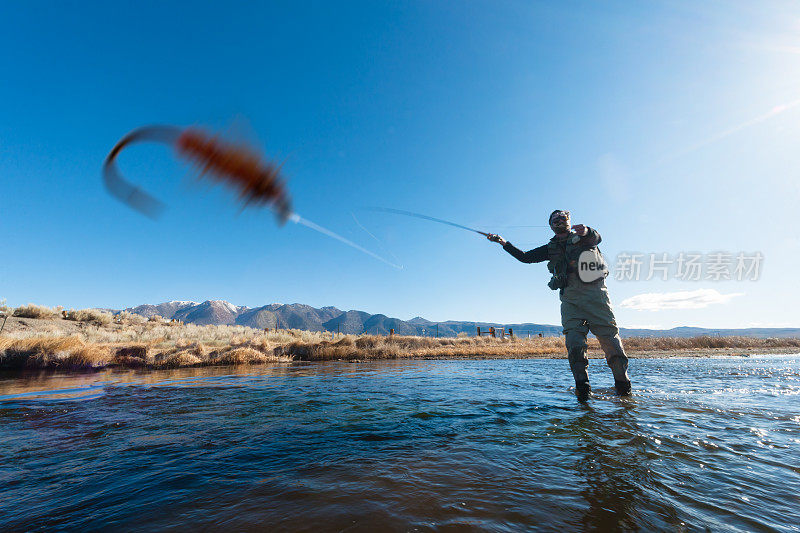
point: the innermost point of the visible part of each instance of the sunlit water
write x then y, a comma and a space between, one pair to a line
493, 445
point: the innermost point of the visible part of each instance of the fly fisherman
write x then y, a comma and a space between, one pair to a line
585, 305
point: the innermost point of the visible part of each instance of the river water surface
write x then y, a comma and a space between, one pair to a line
498, 445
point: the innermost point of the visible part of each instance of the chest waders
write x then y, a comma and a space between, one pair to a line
585, 307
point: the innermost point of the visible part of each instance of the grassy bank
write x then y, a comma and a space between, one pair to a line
90, 339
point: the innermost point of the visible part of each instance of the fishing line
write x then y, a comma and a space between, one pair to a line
297, 219
380, 244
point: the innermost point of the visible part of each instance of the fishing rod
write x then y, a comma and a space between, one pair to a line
425, 217
434, 219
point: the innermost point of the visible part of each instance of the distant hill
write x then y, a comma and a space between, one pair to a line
300, 316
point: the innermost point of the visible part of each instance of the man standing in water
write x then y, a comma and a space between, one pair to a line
585, 305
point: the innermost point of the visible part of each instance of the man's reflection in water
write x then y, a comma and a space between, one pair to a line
613, 458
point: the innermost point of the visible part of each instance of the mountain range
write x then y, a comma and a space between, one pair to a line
305, 317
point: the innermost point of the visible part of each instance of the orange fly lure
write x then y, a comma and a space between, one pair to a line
236, 166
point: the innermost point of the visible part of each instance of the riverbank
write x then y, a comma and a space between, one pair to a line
135, 342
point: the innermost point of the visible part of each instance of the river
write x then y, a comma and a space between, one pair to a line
484, 445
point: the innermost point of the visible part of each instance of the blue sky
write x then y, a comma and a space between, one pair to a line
668, 126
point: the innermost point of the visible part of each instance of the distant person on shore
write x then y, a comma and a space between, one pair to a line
579, 275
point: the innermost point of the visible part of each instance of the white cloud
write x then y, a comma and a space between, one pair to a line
659, 301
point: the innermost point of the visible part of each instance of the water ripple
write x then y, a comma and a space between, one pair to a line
404, 445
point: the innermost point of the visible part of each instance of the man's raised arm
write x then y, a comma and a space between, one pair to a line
537, 255
591, 237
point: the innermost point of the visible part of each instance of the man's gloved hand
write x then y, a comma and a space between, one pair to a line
496, 238
580, 229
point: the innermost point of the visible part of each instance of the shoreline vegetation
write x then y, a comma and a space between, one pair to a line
38, 337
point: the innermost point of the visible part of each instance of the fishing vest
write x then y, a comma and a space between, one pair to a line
563, 255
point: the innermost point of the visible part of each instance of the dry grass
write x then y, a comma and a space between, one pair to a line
91, 340
707, 342
73, 353
379, 347
92, 316
51, 352
124, 317
37, 311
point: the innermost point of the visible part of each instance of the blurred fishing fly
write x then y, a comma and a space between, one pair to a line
237, 166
